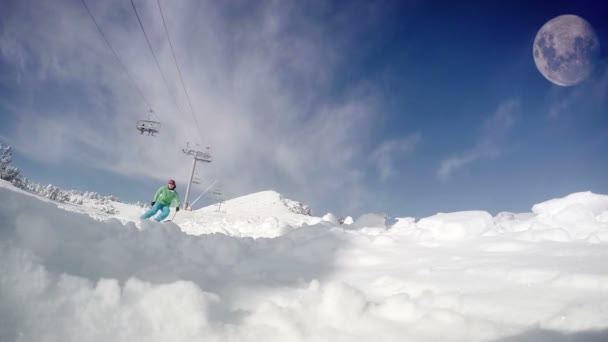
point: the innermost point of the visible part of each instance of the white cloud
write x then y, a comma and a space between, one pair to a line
387, 152
493, 134
260, 85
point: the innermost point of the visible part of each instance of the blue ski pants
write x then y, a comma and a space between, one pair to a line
157, 206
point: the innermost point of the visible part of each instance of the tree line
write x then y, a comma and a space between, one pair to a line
13, 175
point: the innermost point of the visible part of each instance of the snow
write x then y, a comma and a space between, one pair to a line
331, 218
262, 214
257, 270
348, 220
455, 226
594, 203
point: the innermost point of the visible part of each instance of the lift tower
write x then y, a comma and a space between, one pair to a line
202, 156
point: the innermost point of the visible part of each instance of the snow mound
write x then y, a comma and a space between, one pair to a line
329, 217
261, 214
512, 222
67, 277
594, 204
404, 225
455, 226
579, 216
263, 203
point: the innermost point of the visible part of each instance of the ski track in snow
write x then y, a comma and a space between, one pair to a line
260, 272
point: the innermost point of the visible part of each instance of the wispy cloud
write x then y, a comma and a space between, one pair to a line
385, 155
260, 83
493, 134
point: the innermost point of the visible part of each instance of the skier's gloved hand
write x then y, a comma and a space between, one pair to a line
153, 203
176, 209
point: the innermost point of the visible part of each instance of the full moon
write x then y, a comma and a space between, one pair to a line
565, 50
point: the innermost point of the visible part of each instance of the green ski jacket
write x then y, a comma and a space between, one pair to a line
166, 196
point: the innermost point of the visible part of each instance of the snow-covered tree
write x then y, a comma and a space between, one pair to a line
21, 182
50, 192
76, 200
6, 156
13, 175
7, 172
107, 208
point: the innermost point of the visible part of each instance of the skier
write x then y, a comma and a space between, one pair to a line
163, 199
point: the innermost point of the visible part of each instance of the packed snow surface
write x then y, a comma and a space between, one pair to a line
262, 214
258, 271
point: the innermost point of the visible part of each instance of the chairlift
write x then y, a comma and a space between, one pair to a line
196, 180
150, 125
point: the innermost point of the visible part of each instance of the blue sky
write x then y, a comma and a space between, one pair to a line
405, 108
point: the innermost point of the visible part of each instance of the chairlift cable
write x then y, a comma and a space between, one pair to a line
150, 46
156, 59
177, 65
204, 192
116, 55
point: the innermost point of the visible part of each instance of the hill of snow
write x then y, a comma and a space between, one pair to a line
262, 214
466, 276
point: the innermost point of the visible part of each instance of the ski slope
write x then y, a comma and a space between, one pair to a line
262, 214
465, 276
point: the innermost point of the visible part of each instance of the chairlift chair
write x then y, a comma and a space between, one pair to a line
148, 126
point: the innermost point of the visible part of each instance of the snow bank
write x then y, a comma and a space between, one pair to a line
331, 218
262, 214
263, 203
592, 203
578, 216
349, 220
95, 249
506, 222
455, 226
67, 277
